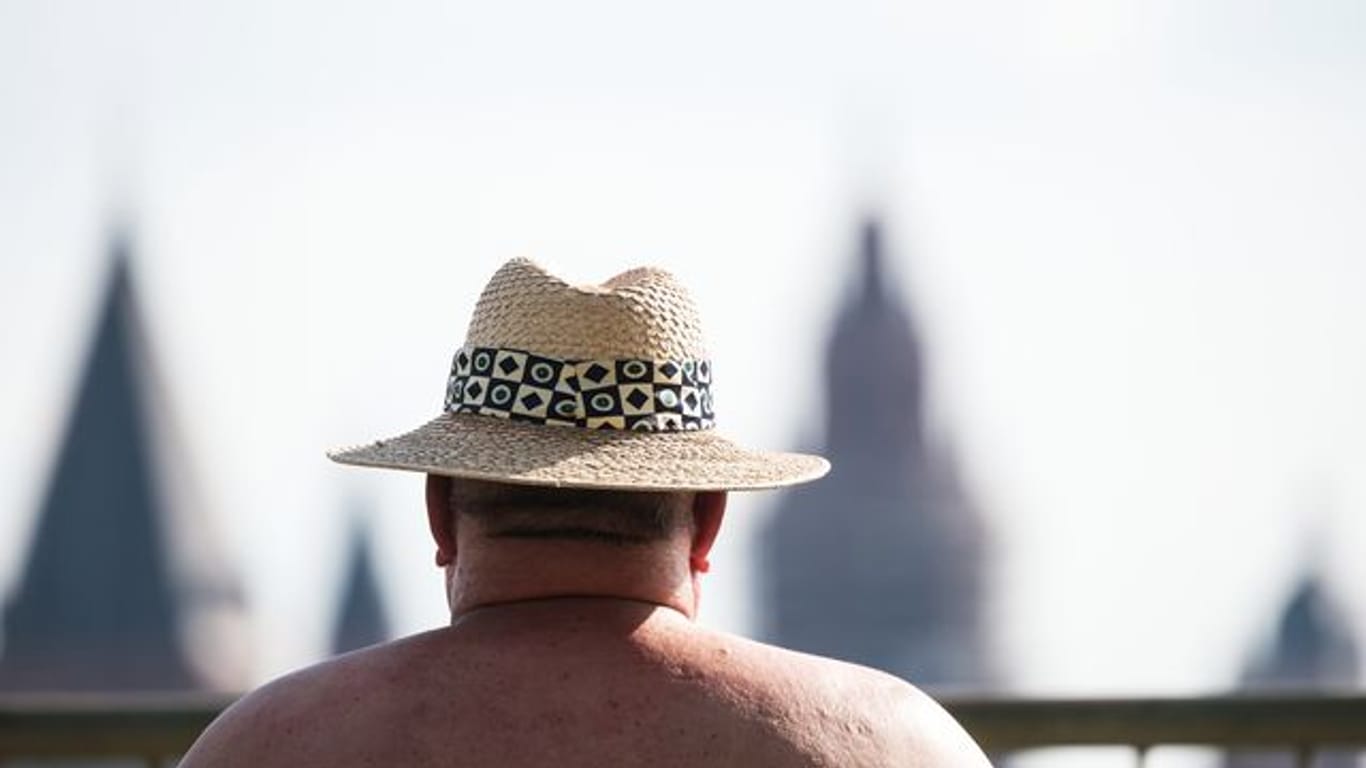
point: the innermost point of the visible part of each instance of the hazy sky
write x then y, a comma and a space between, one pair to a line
1131, 233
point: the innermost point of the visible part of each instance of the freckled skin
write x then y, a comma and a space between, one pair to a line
584, 682
578, 654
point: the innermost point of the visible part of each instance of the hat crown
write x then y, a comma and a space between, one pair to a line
599, 386
642, 313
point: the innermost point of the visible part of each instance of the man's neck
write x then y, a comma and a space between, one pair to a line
511, 572
605, 616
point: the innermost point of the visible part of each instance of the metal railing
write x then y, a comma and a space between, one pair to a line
154, 727
1303, 725
157, 729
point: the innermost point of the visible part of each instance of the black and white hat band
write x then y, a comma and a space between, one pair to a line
648, 395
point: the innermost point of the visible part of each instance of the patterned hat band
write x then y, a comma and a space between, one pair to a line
647, 395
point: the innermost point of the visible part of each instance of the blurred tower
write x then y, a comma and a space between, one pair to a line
1313, 646
100, 604
361, 619
881, 562
1312, 649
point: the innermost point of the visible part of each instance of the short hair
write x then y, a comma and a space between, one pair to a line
622, 518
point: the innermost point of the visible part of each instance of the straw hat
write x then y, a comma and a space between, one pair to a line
583, 386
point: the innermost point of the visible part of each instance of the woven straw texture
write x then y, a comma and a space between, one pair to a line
643, 313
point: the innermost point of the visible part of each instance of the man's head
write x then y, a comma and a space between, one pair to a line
561, 386
530, 539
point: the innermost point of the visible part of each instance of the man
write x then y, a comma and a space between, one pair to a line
574, 488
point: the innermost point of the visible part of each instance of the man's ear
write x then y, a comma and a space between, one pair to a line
708, 508
439, 518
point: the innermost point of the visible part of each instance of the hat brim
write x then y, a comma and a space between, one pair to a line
488, 448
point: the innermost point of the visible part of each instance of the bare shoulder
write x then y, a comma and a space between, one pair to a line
299, 719
860, 715
920, 732
269, 726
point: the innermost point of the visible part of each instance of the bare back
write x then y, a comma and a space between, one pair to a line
584, 682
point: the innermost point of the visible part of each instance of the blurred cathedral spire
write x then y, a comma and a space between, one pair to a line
872, 259
361, 618
873, 365
1311, 649
100, 603
881, 563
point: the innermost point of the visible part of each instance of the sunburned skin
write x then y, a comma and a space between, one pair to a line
584, 682
581, 652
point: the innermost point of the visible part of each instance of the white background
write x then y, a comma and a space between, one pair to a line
1132, 235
